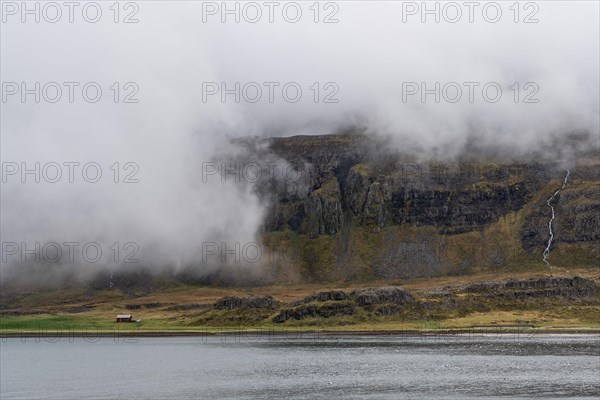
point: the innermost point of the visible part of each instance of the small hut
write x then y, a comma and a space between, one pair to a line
124, 318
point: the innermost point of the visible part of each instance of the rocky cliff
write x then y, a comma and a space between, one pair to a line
349, 207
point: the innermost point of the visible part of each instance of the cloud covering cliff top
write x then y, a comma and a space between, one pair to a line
495, 76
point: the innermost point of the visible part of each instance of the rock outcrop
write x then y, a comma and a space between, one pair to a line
232, 303
392, 295
575, 287
325, 310
338, 303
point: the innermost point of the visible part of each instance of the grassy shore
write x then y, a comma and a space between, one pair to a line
178, 309
45, 325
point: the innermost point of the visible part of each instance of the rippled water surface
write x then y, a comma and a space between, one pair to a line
266, 367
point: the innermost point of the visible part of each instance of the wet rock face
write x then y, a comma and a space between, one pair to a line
577, 211
323, 210
343, 187
232, 303
580, 214
342, 179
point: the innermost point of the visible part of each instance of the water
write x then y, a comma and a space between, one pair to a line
348, 367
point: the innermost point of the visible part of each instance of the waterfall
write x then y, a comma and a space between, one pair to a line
547, 250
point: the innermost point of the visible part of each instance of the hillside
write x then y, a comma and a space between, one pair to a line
349, 208
362, 236
482, 302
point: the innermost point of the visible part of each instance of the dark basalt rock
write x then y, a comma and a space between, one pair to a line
231, 303
581, 284
340, 174
393, 295
569, 293
339, 303
577, 211
326, 310
333, 295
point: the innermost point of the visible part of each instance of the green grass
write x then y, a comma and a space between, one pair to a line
557, 317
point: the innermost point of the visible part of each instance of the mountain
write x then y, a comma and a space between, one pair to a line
351, 228
350, 207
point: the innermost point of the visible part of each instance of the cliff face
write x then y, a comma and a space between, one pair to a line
351, 208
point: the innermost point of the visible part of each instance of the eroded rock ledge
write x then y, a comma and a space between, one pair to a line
436, 303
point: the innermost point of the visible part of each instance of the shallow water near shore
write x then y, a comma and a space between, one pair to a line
305, 367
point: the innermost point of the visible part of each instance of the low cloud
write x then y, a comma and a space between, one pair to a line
370, 69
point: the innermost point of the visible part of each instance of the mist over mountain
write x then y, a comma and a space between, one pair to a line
390, 85
348, 207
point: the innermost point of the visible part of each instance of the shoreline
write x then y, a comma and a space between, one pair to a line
298, 333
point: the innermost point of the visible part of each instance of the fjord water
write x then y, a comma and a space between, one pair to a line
306, 367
